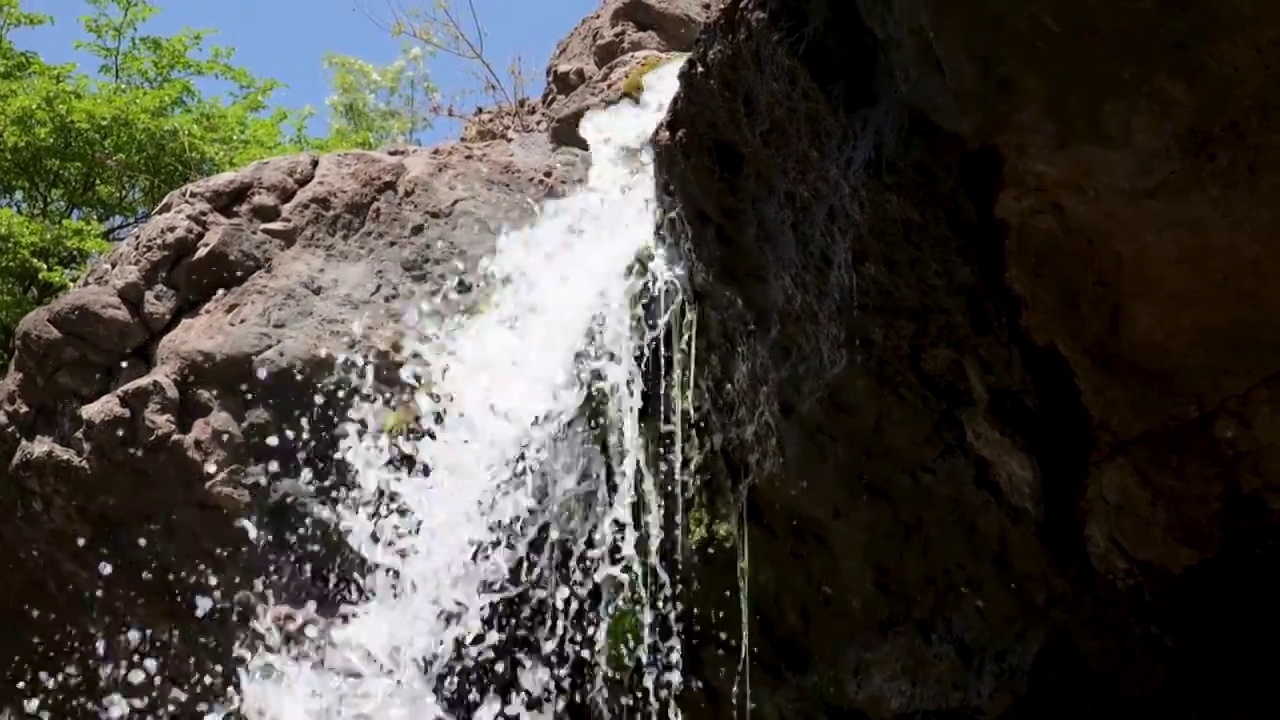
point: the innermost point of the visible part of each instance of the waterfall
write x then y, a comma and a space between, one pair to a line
520, 510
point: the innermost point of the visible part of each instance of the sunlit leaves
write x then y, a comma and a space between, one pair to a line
373, 106
87, 152
453, 28
39, 259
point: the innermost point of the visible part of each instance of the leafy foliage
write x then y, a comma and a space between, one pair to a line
453, 28
84, 157
107, 147
375, 106
38, 260
85, 154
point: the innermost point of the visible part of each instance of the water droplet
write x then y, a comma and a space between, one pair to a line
204, 604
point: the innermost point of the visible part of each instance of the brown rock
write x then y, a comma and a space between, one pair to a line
133, 423
99, 317
587, 66
503, 123
985, 315
605, 89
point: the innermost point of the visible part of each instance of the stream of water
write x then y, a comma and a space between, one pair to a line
516, 556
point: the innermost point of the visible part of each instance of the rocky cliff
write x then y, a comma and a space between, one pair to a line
986, 344
169, 398
988, 330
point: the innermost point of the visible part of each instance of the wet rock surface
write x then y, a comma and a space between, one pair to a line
174, 390
986, 348
986, 322
587, 68
589, 65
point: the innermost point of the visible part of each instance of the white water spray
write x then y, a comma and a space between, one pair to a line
518, 565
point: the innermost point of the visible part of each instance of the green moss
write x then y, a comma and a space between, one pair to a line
633, 85
623, 638
624, 628
402, 419
702, 530
481, 301
697, 527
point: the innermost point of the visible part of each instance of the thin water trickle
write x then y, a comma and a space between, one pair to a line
518, 560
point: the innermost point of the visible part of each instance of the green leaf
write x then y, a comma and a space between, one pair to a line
374, 106
85, 155
38, 260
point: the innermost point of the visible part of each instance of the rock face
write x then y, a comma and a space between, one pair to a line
987, 323
987, 348
588, 66
166, 396
164, 399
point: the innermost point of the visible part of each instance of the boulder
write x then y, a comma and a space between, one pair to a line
988, 340
588, 66
152, 409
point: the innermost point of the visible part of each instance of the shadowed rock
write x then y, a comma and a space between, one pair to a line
987, 321
987, 345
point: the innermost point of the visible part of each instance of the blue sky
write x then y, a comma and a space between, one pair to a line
286, 39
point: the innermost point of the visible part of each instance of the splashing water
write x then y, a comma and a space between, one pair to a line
518, 556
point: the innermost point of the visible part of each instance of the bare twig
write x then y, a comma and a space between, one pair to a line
459, 33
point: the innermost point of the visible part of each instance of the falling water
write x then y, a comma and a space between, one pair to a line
518, 554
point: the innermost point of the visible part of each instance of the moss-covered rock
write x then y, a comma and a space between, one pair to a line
633, 83
401, 419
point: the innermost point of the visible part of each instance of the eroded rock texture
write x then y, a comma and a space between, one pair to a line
988, 322
169, 394
590, 64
